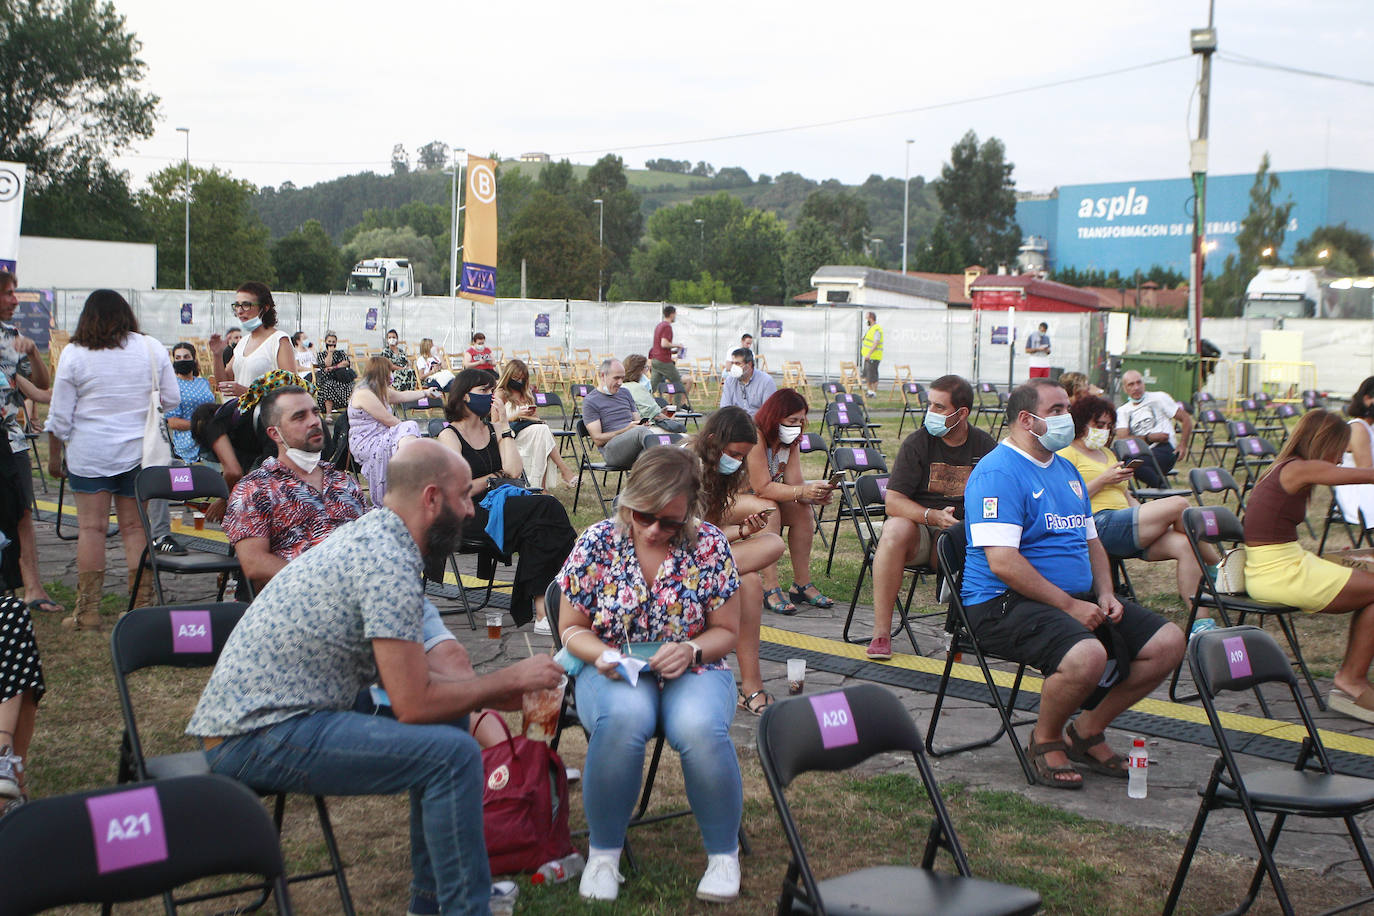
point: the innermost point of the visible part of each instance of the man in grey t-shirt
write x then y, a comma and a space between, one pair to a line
277, 711
613, 420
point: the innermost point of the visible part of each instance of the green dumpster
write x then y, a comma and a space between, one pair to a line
1172, 373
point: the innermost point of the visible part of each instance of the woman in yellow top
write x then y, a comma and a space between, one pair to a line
1127, 529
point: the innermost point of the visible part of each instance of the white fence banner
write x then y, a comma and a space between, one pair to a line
11, 212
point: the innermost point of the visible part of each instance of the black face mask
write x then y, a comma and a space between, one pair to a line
517, 384
184, 366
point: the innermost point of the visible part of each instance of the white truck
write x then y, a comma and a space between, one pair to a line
383, 277
1308, 292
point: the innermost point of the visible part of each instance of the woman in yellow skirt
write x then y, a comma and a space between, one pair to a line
1278, 569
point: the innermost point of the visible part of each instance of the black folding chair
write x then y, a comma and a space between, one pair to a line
915, 403
577, 392
670, 391
1357, 531
586, 464
1207, 424
1216, 525
563, 432
568, 717
837, 731
989, 405
806, 444
179, 484
110, 531
112, 845
1132, 449
1243, 658
1216, 480
191, 636
855, 462
435, 426
830, 389
870, 493
950, 548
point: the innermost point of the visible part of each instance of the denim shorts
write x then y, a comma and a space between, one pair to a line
119, 484
1118, 530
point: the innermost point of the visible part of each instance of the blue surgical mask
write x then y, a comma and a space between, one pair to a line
251, 324
728, 465
479, 404
1058, 432
936, 424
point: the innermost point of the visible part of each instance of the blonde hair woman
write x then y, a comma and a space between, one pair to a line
374, 432
536, 442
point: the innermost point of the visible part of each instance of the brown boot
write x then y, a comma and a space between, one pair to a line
146, 596
89, 587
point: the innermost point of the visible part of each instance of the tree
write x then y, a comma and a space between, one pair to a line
399, 242
669, 165
432, 156
978, 196
703, 170
1349, 251
740, 246
843, 213
810, 245
307, 260
228, 240
90, 200
558, 246
557, 177
693, 292
1263, 227
942, 253
400, 160
624, 220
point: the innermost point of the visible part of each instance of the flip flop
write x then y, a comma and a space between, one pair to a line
45, 604
1046, 774
1079, 747
1361, 707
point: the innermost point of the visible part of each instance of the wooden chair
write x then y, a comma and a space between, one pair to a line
849, 375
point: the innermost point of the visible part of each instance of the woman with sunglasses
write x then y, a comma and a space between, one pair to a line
655, 583
544, 466
263, 347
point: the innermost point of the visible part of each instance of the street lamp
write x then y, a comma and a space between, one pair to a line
600, 241
1324, 253
187, 132
701, 247
877, 248
453, 227
906, 202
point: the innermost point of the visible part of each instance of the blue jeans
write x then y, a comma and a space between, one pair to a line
348, 753
696, 711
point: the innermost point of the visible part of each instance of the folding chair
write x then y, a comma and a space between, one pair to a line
848, 424
1334, 513
1216, 525
563, 432
870, 493
857, 400
567, 716
1133, 449
586, 463
1312, 400
1216, 480
577, 392
684, 412
987, 405
950, 548
1243, 658
178, 485
837, 731
830, 389
855, 462
190, 636
1282, 414
111, 530
1206, 425
1253, 455
915, 403
435, 426
806, 444
112, 845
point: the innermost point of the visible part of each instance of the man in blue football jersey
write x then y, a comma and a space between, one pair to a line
1037, 587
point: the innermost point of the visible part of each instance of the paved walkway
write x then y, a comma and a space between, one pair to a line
1178, 763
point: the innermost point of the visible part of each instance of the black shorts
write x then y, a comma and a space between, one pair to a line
1016, 628
23, 470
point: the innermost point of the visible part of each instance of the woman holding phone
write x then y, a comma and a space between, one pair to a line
1127, 528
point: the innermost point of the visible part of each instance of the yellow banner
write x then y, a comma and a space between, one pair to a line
478, 278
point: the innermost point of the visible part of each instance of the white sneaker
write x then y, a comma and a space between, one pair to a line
601, 879
11, 765
720, 884
542, 628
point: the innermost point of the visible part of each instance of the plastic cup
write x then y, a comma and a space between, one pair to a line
670, 409
541, 708
493, 626
796, 675
200, 521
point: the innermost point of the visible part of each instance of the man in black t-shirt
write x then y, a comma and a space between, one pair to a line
925, 494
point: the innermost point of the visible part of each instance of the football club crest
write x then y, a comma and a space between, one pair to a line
1077, 488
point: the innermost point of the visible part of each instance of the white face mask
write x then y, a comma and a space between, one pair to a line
306, 461
1096, 438
736, 372
788, 434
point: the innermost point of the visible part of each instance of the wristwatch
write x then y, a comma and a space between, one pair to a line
696, 657
508, 434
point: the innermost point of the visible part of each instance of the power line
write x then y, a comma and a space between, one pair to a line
887, 114
1244, 61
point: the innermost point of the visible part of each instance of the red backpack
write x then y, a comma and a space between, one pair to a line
524, 804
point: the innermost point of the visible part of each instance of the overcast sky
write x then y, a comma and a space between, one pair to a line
305, 91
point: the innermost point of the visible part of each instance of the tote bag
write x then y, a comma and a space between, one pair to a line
157, 446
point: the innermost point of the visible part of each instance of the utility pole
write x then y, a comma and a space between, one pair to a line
906, 204
1204, 42
453, 226
187, 132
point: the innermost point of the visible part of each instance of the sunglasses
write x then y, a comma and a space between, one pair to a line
670, 525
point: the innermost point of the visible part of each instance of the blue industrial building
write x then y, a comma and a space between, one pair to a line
1133, 225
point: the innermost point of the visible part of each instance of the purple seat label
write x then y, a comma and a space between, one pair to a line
835, 720
191, 632
540, 399
1209, 523
181, 480
860, 457
882, 487
843, 415
127, 829
1255, 446
1133, 446
1236, 658
1213, 479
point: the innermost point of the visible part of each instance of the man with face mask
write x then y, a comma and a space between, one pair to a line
1038, 589
1150, 415
744, 386
277, 713
925, 495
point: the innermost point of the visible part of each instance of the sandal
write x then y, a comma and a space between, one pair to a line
799, 596
747, 702
45, 604
1048, 775
1114, 766
775, 601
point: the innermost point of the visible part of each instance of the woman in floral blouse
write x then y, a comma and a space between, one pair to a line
659, 583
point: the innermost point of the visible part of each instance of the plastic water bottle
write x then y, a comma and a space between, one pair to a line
559, 870
1137, 765
1201, 625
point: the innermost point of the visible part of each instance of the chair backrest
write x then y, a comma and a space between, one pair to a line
1212, 525
831, 388
845, 415
657, 439
1238, 658
871, 489
195, 482
1239, 428
1286, 411
1213, 416
1252, 448
859, 460
1129, 448
844, 397
833, 731
812, 442
1214, 480
133, 842
436, 426
951, 547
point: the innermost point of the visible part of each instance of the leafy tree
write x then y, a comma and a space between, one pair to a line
557, 177
978, 196
703, 169
307, 260
740, 246
731, 177
400, 160
432, 156
400, 242
624, 220
228, 240
681, 166
1165, 277
1263, 227
558, 246
843, 213
707, 289
426, 219
91, 200
942, 253
1349, 251
811, 244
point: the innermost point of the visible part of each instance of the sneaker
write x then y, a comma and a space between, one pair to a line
169, 545
880, 648
573, 774
872, 393
11, 765
601, 879
542, 628
503, 894
720, 884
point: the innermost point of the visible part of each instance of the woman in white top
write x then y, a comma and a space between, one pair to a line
1357, 498
100, 403
263, 348
305, 354
427, 363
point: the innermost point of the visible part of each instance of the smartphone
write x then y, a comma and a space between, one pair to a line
769, 511
836, 478
1135, 463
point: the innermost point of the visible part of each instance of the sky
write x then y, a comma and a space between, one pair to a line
306, 91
